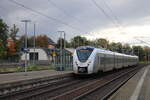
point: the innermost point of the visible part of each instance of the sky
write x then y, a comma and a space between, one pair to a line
125, 21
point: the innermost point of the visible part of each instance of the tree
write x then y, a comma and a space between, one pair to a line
30, 41
21, 42
61, 41
139, 51
102, 43
12, 41
113, 46
147, 53
79, 41
42, 41
13, 32
127, 49
3, 38
2, 50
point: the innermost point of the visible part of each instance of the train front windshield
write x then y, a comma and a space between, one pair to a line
83, 54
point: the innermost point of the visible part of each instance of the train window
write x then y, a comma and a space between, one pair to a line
98, 58
83, 54
109, 59
102, 60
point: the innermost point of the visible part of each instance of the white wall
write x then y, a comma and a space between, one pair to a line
41, 54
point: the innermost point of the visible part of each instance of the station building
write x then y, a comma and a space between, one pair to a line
46, 56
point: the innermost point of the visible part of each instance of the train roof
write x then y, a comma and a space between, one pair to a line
102, 50
83, 47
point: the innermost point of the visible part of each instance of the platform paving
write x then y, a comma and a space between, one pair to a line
21, 76
137, 88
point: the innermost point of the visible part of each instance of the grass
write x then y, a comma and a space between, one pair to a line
9, 69
144, 62
29, 68
36, 68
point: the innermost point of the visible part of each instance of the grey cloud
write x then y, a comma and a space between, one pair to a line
90, 18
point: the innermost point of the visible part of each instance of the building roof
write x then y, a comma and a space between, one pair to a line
50, 51
50, 41
70, 50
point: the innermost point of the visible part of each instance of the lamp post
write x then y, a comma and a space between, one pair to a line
34, 43
61, 48
26, 22
64, 37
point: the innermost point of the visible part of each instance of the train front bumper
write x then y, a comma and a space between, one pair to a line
82, 70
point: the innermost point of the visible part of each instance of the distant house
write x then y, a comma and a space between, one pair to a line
11, 45
45, 56
51, 44
41, 56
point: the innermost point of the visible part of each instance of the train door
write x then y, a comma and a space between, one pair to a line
105, 62
114, 61
123, 61
98, 61
96, 64
108, 62
111, 62
119, 61
102, 62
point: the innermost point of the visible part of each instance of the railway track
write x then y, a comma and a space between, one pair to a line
45, 90
99, 89
16, 91
92, 88
105, 90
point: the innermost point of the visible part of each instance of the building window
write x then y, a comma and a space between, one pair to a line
32, 55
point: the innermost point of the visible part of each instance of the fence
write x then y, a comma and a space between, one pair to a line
63, 62
62, 59
58, 59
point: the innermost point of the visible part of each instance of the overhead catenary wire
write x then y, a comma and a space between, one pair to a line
136, 38
42, 14
114, 16
107, 15
67, 14
62, 10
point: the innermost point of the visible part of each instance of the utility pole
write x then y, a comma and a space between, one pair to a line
78, 42
63, 37
25, 21
64, 40
64, 48
61, 47
60, 50
147, 57
34, 43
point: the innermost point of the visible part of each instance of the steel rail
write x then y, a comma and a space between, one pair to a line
89, 88
114, 84
16, 88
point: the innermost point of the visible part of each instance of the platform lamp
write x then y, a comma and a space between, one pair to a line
61, 48
26, 22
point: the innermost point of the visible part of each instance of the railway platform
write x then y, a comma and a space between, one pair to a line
137, 88
25, 76
22, 81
